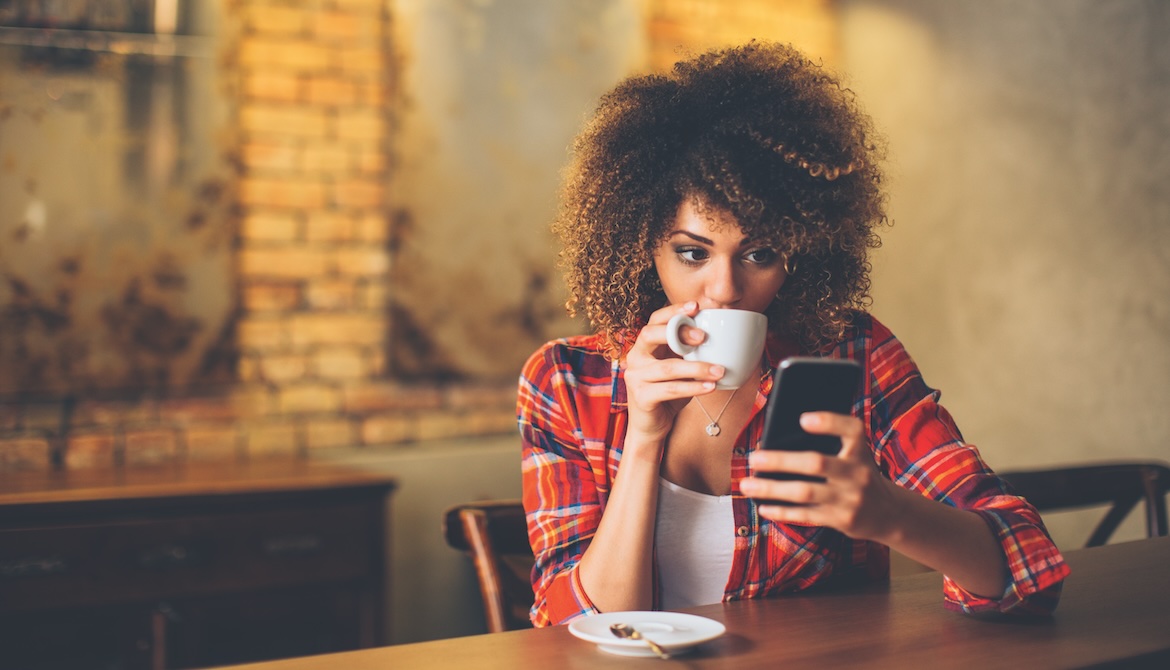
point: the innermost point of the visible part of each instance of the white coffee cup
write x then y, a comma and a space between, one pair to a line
735, 340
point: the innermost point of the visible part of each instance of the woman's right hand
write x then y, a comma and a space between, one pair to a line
658, 382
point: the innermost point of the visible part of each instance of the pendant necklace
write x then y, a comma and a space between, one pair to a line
713, 428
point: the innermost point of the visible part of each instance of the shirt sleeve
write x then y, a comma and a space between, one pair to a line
560, 495
918, 446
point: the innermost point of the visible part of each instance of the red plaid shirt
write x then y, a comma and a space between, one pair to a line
572, 415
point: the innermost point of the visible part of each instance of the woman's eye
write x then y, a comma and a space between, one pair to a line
762, 256
691, 254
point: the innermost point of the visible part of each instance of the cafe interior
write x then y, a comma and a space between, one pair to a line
274, 265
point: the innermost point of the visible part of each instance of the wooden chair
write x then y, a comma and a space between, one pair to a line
495, 535
1121, 485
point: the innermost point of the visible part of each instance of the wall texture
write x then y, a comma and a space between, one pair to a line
1027, 269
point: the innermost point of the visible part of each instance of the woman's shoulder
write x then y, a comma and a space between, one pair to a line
870, 339
578, 355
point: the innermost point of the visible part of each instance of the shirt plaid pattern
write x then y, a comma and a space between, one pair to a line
572, 416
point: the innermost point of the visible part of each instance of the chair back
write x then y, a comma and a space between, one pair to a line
495, 535
1120, 485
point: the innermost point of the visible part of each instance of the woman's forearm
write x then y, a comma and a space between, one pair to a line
616, 569
957, 543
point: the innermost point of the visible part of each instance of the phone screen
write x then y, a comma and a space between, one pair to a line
808, 385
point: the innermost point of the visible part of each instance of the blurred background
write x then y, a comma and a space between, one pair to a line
318, 229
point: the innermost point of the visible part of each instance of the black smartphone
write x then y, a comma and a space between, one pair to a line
807, 385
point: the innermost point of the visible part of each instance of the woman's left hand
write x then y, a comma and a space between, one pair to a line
854, 498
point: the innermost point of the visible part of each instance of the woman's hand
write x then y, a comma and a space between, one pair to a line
658, 382
854, 498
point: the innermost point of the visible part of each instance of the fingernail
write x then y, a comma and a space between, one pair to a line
809, 420
690, 305
708, 385
718, 370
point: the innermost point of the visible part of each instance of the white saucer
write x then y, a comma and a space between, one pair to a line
673, 631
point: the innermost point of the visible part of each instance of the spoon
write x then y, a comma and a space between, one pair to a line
626, 631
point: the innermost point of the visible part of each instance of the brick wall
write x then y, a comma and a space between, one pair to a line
311, 81
681, 27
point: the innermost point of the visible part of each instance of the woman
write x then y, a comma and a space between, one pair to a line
746, 179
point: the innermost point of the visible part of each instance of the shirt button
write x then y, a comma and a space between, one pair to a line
742, 531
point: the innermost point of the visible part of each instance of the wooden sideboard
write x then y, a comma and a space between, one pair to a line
192, 566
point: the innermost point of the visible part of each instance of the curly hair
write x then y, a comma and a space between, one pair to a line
757, 130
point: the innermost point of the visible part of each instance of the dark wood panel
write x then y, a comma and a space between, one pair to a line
205, 566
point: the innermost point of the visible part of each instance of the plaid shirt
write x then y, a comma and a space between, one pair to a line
572, 416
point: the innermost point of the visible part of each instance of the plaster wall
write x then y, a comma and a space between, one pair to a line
1027, 269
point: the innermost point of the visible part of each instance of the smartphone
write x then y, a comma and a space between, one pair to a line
807, 385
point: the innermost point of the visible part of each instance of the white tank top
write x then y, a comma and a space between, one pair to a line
694, 538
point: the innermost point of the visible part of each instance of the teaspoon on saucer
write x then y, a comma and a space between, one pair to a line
626, 631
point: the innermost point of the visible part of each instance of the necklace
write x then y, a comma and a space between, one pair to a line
713, 428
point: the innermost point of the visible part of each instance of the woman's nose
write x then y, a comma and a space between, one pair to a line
724, 284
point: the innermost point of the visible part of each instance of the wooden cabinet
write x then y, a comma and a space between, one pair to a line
190, 567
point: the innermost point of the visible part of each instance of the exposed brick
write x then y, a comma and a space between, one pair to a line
187, 410
277, 20
213, 443
270, 227
281, 369
371, 9
91, 450
499, 422
366, 125
345, 27
327, 226
332, 294
372, 161
284, 262
465, 396
383, 397
248, 369
24, 454
358, 193
330, 433
151, 447
359, 329
327, 90
438, 425
360, 60
287, 120
286, 192
372, 227
272, 86
263, 334
252, 400
114, 412
371, 93
373, 295
270, 155
268, 440
362, 261
284, 54
390, 429
328, 157
308, 398
272, 296
340, 363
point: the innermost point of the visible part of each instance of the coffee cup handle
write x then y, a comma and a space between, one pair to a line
672, 327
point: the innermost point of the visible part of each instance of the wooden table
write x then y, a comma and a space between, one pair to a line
1115, 612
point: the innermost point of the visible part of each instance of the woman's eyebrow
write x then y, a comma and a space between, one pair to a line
697, 238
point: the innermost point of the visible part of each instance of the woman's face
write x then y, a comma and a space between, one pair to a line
706, 258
